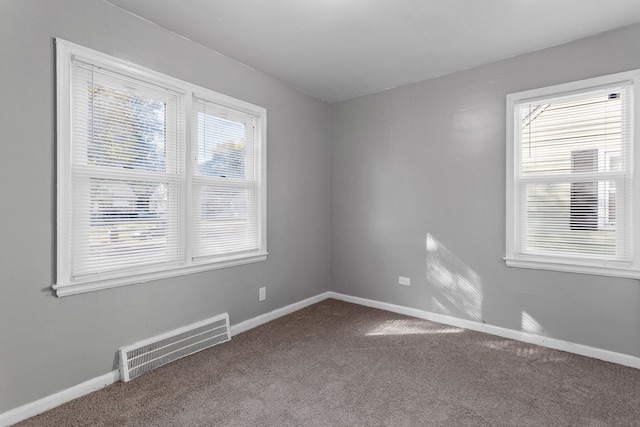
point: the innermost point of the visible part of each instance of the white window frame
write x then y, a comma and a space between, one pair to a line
66, 283
514, 257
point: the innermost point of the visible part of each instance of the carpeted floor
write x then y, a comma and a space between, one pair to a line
340, 364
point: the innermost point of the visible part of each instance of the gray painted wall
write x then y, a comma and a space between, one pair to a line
48, 344
423, 167
417, 164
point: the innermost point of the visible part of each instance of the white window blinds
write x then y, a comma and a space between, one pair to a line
156, 177
125, 173
226, 181
571, 175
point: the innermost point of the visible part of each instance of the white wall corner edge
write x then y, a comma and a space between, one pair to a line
42, 405
556, 344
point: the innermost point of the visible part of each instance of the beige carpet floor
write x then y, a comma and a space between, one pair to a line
340, 364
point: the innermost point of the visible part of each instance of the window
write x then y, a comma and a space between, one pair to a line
156, 177
571, 187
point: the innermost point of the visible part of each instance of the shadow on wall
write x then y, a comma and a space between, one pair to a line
459, 288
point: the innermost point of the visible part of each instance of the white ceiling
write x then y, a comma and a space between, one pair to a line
339, 49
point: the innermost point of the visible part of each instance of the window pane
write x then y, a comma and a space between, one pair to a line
125, 130
556, 223
221, 147
225, 220
552, 133
127, 223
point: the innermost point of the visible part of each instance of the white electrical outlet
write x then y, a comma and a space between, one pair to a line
262, 294
404, 281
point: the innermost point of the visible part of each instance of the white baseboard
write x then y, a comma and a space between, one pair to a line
31, 409
39, 406
583, 350
267, 317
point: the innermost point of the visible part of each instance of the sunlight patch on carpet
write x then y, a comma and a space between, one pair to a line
529, 352
411, 327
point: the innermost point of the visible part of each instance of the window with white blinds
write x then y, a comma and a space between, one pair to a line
226, 180
156, 177
570, 177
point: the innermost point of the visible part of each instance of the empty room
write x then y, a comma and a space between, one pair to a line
320, 213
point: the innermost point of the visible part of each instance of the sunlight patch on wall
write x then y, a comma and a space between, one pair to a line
530, 325
459, 285
438, 307
412, 327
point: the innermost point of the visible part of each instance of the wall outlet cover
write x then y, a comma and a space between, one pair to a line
404, 281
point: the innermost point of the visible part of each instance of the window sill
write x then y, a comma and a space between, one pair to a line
610, 270
80, 287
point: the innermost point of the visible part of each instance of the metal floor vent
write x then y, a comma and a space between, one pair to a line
136, 359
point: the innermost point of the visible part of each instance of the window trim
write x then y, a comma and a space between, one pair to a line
610, 268
67, 285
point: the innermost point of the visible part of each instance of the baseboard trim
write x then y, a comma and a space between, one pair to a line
267, 317
34, 408
39, 406
580, 349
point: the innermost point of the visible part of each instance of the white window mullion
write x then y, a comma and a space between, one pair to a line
65, 116
187, 184
520, 220
622, 223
